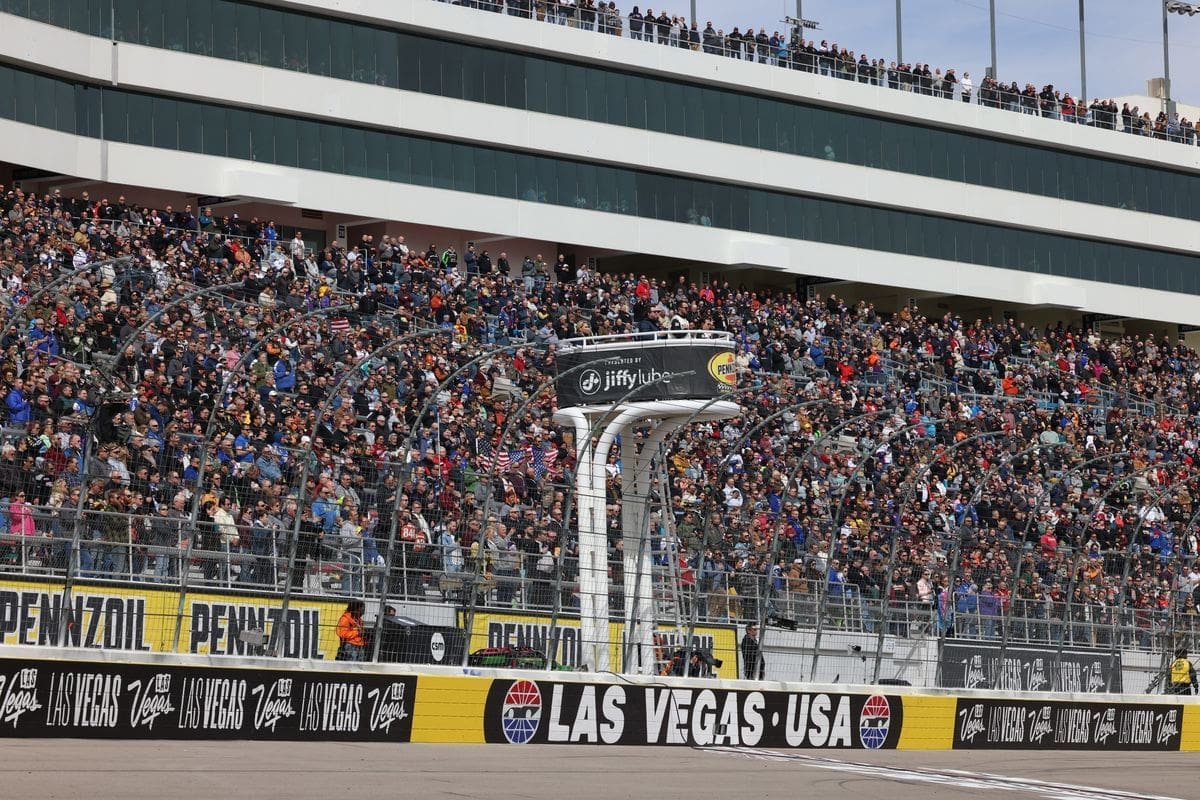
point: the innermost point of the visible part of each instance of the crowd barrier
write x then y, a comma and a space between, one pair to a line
88, 694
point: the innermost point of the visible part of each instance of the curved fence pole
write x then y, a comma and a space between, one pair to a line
1115, 658
1068, 605
174, 303
206, 446
1006, 618
837, 518
956, 557
20, 312
236, 371
773, 551
109, 375
1090, 520
822, 585
1172, 643
74, 555
752, 670
916, 478
664, 445
279, 635
112, 372
393, 522
669, 444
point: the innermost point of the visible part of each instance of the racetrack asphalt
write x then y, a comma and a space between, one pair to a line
71, 769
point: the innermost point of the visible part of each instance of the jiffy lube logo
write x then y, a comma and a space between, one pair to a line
590, 382
151, 700
18, 695
272, 704
521, 712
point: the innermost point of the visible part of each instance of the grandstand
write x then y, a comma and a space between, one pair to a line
232, 366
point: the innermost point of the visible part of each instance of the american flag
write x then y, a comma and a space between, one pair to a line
507, 460
339, 324
543, 460
483, 451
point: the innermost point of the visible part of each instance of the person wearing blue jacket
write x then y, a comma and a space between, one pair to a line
17, 403
285, 376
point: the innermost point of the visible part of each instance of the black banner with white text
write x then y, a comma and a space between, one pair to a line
1065, 725
975, 665
541, 712
97, 700
654, 369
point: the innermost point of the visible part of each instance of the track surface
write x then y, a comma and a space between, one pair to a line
42, 769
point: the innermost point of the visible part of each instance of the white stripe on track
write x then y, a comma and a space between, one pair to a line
962, 779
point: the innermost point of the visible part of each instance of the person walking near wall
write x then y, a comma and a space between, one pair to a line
753, 665
350, 633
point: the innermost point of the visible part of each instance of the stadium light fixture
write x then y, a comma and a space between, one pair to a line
1172, 7
1175, 7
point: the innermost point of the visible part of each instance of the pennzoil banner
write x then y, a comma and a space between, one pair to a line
533, 630
144, 619
665, 371
103, 700
542, 712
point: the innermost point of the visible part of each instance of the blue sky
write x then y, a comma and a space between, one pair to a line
1037, 41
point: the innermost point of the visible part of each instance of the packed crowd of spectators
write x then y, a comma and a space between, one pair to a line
790, 50
968, 469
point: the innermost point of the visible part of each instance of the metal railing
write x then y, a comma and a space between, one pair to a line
126, 549
677, 33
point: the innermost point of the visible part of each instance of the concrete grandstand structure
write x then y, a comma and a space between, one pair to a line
823, 187
943, 457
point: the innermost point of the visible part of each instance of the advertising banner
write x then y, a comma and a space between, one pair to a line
976, 665
656, 365
542, 712
533, 630
1065, 725
144, 619
99, 700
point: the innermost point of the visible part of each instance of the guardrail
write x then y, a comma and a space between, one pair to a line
540, 584
990, 94
70, 693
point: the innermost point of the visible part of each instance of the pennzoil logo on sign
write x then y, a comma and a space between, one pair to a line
723, 368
